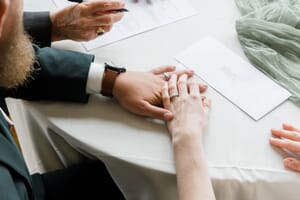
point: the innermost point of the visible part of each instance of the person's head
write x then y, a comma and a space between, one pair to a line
16, 52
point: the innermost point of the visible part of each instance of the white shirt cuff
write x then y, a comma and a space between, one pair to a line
94, 82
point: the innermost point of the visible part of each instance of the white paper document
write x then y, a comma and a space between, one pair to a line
141, 17
237, 80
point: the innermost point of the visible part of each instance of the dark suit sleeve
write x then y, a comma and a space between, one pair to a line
59, 75
38, 26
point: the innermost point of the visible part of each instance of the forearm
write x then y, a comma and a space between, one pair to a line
191, 168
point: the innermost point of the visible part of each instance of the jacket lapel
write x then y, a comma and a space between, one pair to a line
10, 155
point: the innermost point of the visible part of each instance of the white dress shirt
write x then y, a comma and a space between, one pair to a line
94, 82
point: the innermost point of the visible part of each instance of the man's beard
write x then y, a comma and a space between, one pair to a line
17, 57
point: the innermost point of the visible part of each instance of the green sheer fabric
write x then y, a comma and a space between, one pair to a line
269, 32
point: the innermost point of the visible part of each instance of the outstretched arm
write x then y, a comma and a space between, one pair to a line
190, 117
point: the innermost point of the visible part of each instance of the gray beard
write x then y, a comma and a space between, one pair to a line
17, 57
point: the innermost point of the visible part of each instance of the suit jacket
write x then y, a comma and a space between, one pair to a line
38, 26
39, 30
59, 75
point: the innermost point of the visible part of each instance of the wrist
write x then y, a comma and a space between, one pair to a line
56, 34
186, 139
110, 79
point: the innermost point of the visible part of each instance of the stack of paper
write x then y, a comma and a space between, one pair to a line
141, 17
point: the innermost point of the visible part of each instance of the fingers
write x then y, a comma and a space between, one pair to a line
188, 72
289, 127
193, 86
162, 69
287, 144
103, 6
292, 135
206, 104
182, 85
157, 112
202, 87
173, 91
290, 142
292, 164
103, 20
166, 97
106, 28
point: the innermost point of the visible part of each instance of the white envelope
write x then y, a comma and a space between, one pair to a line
237, 80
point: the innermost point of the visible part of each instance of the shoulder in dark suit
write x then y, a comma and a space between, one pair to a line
59, 75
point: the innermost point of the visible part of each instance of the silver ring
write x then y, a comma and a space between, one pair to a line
166, 76
174, 95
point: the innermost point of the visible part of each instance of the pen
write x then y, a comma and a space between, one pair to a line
117, 10
121, 10
114, 11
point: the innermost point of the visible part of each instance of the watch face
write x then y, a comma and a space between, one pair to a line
114, 68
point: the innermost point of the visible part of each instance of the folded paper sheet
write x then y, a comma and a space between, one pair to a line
234, 78
141, 17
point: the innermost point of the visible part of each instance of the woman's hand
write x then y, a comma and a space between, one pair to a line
82, 22
288, 138
190, 117
190, 110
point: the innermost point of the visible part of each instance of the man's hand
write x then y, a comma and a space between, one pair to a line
80, 22
288, 138
140, 92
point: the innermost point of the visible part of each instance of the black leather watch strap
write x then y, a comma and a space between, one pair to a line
109, 78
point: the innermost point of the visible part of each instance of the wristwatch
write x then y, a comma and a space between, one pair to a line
109, 77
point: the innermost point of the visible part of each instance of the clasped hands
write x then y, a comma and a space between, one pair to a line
141, 92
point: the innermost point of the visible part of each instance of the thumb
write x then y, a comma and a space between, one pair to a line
157, 112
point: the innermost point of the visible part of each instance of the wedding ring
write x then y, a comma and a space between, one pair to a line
100, 30
166, 75
174, 95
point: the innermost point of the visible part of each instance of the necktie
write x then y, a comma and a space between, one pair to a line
12, 128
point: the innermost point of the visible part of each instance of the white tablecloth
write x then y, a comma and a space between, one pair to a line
137, 151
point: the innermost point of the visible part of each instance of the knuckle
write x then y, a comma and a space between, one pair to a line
165, 98
181, 82
193, 83
183, 100
106, 5
109, 28
143, 107
88, 36
172, 87
110, 20
195, 97
105, 20
289, 144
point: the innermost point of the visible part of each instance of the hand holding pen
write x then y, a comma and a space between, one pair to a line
86, 21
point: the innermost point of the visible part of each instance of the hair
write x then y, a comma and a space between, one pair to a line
16, 58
